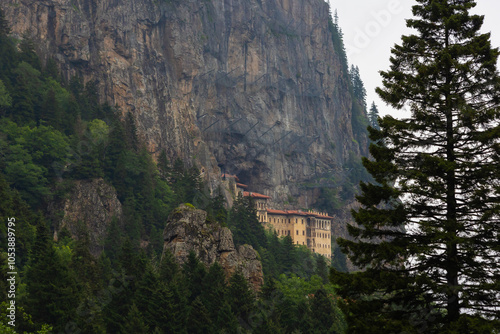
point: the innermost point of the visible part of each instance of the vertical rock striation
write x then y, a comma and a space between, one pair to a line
252, 86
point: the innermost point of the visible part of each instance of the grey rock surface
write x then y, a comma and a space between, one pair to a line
187, 230
93, 203
254, 86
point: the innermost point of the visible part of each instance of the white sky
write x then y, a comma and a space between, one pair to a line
372, 27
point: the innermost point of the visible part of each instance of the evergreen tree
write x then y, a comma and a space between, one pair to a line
155, 245
51, 70
214, 289
113, 241
132, 266
429, 227
194, 273
322, 268
26, 96
50, 111
163, 165
322, 313
287, 254
339, 260
169, 268
27, 52
4, 25
217, 210
49, 300
359, 120
131, 132
134, 322
5, 99
338, 39
357, 84
245, 226
240, 298
83, 262
373, 116
199, 321
8, 52
149, 299
226, 322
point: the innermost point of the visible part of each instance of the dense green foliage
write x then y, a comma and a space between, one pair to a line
428, 230
55, 133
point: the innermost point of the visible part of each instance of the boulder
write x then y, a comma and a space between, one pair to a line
188, 230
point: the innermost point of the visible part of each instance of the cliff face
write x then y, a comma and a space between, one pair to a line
187, 230
254, 87
93, 203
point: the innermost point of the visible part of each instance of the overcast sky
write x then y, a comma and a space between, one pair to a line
372, 27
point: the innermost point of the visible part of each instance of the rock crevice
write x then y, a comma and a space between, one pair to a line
188, 230
253, 87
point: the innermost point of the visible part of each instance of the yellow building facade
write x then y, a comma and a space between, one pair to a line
307, 228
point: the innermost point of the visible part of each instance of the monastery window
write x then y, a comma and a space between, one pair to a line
302, 221
297, 232
297, 242
296, 221
303, 232
303, 243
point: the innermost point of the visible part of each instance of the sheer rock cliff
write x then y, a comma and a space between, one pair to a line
251, 87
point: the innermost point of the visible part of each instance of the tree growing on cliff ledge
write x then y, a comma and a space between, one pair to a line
428, 230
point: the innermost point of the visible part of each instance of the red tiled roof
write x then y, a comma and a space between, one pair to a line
241, 185
287, 212
255, 195
297, 213
230, 176
321, 216
276, 212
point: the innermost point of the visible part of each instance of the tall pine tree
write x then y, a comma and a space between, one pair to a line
373, 116
429, 227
